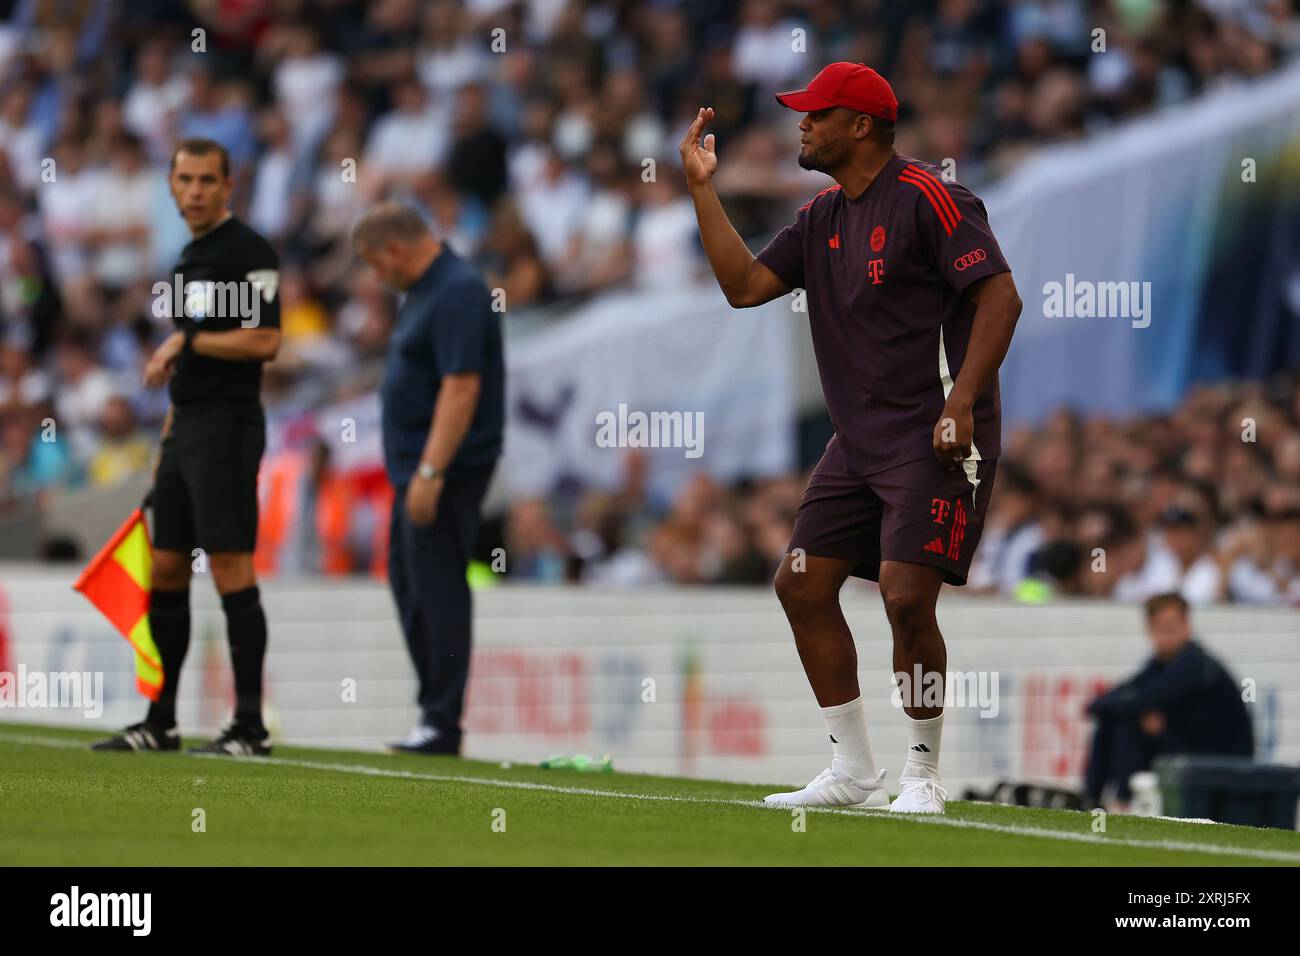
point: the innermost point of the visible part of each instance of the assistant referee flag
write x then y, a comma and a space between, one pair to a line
117, 582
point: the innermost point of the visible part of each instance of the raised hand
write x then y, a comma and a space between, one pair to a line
699, 159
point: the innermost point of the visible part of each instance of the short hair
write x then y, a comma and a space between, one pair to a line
389, 221
1158, 602
201, 146
882, 130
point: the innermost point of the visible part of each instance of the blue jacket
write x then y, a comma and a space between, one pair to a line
1202, 704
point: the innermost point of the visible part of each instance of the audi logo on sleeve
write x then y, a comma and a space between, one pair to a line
965, 262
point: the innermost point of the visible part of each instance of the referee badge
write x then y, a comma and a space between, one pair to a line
265, 281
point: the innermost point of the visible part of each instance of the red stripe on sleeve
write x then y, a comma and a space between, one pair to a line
828, 189
939, 188
948, 224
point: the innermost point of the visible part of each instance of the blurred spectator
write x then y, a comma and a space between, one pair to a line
1176, 558
83, 388
67, 205
1011, 535
512, 262
217, 112
124, 449
29, 299
304, 76
552, 207
23, 143
665, 240
119, 229
536, 550
154, 99
22, 384
271, 208
1182, 702
33, 456
601, 253
450, 55
407, 141
527, 148
1263, 564
477, 163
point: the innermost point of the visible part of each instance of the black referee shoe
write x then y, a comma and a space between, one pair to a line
142, 736
238, 740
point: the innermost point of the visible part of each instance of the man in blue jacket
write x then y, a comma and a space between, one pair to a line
1182, 702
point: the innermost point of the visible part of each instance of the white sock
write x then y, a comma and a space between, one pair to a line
848, 729
923, 747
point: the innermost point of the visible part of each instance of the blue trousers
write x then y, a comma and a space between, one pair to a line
1120, 749
426, 572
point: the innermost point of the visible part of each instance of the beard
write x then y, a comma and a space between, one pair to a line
822, 160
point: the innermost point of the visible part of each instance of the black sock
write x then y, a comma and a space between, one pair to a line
169, 623
246, 631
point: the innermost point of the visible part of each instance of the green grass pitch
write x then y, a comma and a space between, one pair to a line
63, 805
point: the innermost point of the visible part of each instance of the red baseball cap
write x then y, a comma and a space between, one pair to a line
855, 86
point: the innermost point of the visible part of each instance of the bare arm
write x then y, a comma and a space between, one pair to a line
743, 279
452, 414
997, 308
251, 345
166, 430
258, 345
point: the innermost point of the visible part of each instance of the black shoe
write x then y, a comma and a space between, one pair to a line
142, 736
428, 741
238, 740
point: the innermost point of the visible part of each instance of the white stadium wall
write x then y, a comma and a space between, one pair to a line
701, 682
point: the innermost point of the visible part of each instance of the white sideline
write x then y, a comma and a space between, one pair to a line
1067, 835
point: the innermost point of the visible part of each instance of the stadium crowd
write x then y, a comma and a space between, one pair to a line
525, 131
1204, 501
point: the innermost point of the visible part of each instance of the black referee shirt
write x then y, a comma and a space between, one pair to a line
229, 278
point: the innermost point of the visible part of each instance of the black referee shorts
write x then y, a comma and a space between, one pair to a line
205, 495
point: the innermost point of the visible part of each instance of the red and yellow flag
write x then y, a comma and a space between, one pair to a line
117, 581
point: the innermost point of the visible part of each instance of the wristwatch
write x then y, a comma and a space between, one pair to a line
189, 332
429, 473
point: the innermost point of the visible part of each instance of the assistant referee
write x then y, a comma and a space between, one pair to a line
205, 482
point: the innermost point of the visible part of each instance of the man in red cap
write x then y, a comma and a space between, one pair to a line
912, 308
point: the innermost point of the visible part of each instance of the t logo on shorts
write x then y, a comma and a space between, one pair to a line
939, 508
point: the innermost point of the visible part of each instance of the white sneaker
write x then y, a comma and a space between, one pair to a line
919, 795
834, 788
419, 736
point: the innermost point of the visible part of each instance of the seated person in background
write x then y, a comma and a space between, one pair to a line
1182, 702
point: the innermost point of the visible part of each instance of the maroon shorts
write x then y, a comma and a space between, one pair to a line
918, 511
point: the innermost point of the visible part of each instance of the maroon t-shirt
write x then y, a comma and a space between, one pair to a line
884, 275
